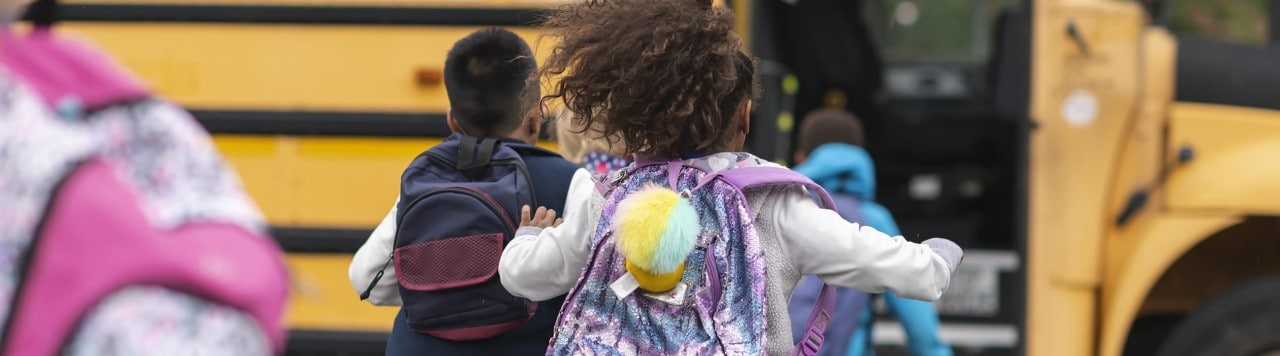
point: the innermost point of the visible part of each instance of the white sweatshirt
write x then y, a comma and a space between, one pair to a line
376, 251
798, 237
372, 257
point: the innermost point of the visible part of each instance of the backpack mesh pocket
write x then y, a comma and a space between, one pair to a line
449, 263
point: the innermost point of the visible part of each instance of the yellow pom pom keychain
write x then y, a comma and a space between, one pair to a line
656, 229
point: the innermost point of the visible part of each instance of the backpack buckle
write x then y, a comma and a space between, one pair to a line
675, 296
813, 342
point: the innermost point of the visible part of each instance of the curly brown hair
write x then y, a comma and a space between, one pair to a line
665, 77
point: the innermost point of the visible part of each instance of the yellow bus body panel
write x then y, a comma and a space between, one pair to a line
362, 68
1136, 261
323, 301
1234, 166
323, 182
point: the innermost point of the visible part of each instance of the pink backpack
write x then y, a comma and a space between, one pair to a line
122, 231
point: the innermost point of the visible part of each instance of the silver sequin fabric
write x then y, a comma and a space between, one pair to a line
595, 321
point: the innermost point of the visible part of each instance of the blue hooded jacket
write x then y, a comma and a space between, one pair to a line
847, 170
844, 169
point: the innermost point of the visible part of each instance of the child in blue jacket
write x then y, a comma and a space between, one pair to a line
829, 152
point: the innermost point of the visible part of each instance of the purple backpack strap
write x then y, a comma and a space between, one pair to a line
849, 208
763, 176
816, 325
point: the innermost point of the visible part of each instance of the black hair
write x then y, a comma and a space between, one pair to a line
489, 76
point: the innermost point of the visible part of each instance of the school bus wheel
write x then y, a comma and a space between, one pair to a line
1243, 321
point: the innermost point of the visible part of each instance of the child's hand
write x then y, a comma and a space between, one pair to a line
950, 252
543, 218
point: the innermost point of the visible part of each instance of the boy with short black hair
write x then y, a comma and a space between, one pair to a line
488, 77
492, 95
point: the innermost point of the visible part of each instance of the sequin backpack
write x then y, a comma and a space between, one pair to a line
676, 264
122, 231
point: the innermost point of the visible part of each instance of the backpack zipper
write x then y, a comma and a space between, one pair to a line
524, 171
577, 288
378, 277
474, 193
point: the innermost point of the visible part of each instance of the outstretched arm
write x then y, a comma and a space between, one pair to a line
820, 242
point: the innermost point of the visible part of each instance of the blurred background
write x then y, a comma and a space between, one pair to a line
1111, 164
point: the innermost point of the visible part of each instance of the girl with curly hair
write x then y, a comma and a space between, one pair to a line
702, 267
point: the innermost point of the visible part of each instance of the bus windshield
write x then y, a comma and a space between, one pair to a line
934, 31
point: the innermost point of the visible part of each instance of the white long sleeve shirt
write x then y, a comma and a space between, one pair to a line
798, 236
376, 251
372, 257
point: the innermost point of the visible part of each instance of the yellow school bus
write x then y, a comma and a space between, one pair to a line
319, 105
1115, 184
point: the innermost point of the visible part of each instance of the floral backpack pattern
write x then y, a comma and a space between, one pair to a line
122, 195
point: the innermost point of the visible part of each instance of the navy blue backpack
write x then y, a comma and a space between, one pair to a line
459, 205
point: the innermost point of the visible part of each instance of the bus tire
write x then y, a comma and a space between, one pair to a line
1242, 321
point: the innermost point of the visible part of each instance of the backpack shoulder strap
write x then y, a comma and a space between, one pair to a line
763, 176
849, 207
472, 164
